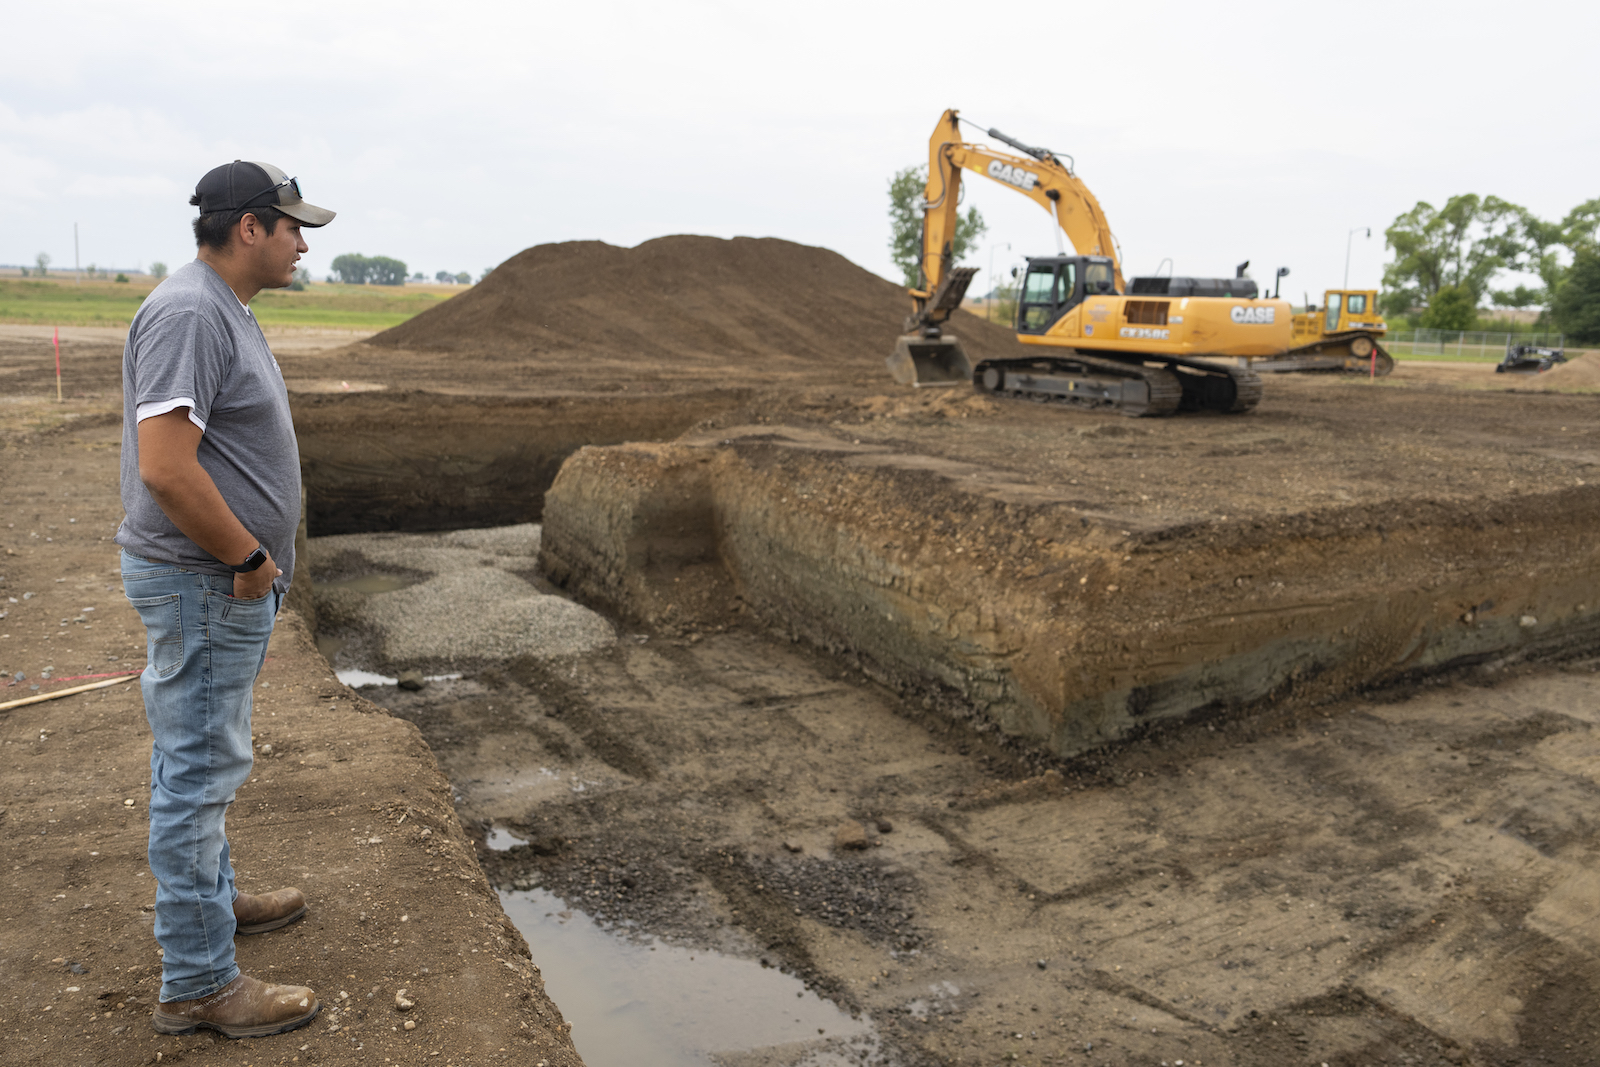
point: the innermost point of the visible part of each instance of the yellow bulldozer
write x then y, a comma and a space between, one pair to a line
1345, 334
1156, 347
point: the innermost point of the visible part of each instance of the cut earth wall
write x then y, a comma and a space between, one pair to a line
1061, 627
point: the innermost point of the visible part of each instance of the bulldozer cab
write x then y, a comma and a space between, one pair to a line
1351, 310
1055, 285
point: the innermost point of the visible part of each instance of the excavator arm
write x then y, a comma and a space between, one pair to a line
1038, 175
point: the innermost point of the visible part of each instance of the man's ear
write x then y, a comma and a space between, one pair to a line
250, 230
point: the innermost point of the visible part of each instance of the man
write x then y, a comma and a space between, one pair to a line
211, 487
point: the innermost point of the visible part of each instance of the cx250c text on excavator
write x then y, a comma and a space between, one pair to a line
1098, 346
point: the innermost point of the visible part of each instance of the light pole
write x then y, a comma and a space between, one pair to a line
1347, 241
988, 305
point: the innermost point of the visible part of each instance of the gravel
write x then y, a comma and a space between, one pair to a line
472, 602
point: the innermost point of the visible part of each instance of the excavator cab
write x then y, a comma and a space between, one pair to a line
1055, 285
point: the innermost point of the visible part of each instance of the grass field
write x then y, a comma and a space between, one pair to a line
49, 302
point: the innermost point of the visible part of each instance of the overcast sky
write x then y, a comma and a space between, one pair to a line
453, 135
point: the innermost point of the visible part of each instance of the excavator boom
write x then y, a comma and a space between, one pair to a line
1040, 176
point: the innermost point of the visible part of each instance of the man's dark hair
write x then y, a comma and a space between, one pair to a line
215, 230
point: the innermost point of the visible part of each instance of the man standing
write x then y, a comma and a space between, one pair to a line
211, 488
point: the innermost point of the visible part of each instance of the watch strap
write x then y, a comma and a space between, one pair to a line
252, 562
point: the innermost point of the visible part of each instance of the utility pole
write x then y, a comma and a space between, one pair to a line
988, 310
77, 271
1347, 241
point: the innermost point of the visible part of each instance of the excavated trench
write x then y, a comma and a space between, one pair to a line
743, 692
1061, 625
429, 461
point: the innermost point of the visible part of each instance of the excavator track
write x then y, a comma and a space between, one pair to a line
1215, 386
1130, 389
1136, 386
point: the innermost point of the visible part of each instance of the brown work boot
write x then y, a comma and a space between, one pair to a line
257, 915
244, 1007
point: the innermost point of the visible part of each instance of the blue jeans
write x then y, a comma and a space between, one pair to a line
205, 649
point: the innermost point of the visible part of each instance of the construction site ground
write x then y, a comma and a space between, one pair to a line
1404, 873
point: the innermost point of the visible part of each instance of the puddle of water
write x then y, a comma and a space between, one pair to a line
372, 583
503, 840
356, 679
662, 1005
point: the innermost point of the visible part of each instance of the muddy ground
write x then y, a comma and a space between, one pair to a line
1405, 876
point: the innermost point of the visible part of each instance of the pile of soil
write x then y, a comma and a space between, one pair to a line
1580, 371
682, 298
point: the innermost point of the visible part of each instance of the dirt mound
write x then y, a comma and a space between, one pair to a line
683, 298
1581, 371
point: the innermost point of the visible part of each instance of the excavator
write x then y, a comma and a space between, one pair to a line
1152, 351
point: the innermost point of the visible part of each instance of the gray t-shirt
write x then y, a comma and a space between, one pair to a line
193, 345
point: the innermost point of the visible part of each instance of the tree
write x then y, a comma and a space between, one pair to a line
352, 268
381, 270
42, 262
1576, 306
463, 278
1541, 240
444, 276
1463, 245
1520, 297
158, 270
1451, 308
906, 189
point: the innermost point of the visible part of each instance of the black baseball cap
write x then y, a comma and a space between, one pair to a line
237, 185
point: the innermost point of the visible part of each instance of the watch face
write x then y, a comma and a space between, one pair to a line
252, 562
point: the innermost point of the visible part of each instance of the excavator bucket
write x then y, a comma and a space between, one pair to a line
920, 361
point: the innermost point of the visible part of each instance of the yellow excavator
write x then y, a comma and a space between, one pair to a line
1151, 351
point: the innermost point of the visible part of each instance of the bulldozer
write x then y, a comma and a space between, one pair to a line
1099, 346
1344, 335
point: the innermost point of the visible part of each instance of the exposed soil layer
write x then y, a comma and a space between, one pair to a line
425, 461
1073, 585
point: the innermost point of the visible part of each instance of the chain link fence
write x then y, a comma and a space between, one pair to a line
1465, 344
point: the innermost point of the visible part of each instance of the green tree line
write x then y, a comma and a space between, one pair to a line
1446, 259
355, 269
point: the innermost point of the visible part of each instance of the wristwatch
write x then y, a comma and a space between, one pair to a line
251, 562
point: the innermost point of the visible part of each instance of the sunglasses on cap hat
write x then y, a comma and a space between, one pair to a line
240, 184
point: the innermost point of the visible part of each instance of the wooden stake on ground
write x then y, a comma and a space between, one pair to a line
67, 692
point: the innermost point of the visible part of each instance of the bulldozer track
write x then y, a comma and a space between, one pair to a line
1328, 357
